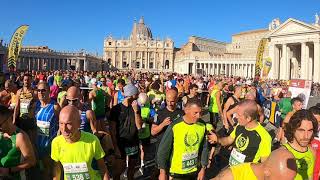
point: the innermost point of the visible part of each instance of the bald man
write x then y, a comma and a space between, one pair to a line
280, 165
252, 143
87, 116
74, 150
165, 117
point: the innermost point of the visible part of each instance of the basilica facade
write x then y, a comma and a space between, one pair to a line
141, 51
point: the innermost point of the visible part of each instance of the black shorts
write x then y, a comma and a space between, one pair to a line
129, 148
145, 141
26, 123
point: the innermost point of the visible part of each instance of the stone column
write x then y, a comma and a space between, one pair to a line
307, 60
121, 60
283, 64
303, 69
316, 76
310, 65
85, 65
130, 59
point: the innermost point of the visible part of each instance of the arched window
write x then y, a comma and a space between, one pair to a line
109, 61
166, 64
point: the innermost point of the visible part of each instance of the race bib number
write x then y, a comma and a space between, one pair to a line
236, 157
189, 160
43, 128
24, 106
76, 171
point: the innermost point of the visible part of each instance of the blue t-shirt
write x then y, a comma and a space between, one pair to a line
50, 81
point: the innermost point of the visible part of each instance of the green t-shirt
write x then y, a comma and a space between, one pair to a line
285, 106
76, 158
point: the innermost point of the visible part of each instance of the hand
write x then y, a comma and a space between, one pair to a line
134, 105
4, 171
167, 121
201, 174
162, 176
212, 138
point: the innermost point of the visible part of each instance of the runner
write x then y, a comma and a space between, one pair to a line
87, 116
25, 108
74, 150
97, 98
47, 113
16, 153
119, 95
215, 106
125, 121
252, 143
303, 127
193, 93
232, 102
164, 118
183, 146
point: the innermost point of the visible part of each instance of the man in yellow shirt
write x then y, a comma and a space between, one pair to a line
280, 165
74, 150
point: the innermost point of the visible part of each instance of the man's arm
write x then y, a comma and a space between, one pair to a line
57, 171
92, 119
103, 169
17, 108
164, 150
261, 114
155, 128
24, 144
115, 99
224, 141
218, 97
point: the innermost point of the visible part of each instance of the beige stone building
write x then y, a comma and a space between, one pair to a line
140, 51
42, 58
210, 57
294, 47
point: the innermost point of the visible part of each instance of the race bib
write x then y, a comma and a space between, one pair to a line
236, 157
189, 160
24, 106
76, 171
43, 128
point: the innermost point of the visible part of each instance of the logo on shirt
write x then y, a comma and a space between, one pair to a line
242, 142
191, 139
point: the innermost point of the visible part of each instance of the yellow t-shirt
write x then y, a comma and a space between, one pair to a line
243, 172
76, 158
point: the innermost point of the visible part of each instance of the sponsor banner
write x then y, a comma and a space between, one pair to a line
259, 58
272, 112
266, 67
301, 88
15, 46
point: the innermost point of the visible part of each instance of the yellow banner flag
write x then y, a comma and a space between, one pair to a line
266, 67
259, 58
15, 46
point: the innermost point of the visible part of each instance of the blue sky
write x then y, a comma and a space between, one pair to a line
72, 25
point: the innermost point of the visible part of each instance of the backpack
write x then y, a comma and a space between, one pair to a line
127, 129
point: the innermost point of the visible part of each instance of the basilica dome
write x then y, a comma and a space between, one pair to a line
141, 31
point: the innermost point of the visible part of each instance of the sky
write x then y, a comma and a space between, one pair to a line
72, 25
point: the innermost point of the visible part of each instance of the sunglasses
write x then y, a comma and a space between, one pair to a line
41, 90
72, 101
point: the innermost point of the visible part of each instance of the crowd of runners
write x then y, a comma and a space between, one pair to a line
97, 125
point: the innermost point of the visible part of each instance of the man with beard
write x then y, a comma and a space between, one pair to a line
299, 132
125, 121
